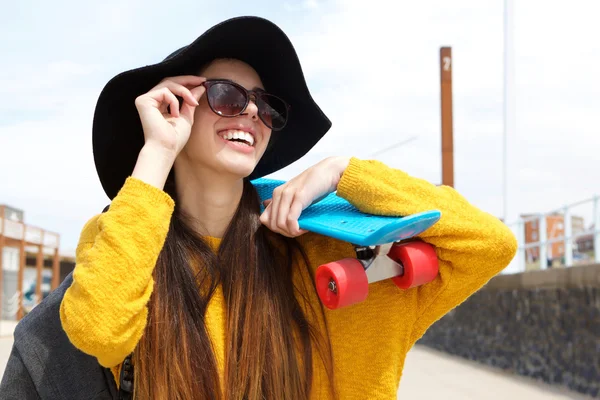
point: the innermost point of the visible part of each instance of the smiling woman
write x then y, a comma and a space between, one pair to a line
185, 287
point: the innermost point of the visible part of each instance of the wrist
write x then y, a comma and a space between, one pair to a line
352, 177
153, 149
343, 163
153, 165
340, 164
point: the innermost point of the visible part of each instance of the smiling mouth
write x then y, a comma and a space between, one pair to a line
234, 135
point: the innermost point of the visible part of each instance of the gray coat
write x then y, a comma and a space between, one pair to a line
45, 365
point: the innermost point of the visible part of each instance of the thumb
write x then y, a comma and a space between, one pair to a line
267, 202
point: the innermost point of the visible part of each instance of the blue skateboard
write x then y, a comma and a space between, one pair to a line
375, 239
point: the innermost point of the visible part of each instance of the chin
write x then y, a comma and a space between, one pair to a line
239, 169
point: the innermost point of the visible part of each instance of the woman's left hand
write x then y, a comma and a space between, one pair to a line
284, 208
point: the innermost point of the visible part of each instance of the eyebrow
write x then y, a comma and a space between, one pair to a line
254, 88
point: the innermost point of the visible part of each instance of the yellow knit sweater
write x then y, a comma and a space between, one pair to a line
104, 311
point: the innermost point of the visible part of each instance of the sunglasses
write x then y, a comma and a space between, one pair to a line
228, 99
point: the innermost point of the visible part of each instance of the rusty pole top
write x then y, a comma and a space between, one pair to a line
446, 114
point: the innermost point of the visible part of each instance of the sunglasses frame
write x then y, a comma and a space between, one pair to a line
251, 95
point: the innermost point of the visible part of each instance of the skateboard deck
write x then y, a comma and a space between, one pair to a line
335, 217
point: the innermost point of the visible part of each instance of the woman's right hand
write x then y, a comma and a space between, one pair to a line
166, 127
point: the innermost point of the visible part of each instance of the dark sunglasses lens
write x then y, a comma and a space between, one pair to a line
273, 111
226, 99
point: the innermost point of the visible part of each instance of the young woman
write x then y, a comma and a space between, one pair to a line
184, 277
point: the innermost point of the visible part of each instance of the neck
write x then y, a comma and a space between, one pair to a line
209, 198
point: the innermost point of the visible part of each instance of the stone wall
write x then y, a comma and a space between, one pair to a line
542, 324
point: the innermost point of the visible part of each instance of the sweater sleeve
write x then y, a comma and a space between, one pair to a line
472, 246
104, 312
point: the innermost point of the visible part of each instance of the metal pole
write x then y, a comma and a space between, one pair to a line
446, 100
568, 235
508, 109
596, 229
22, 262
543, 241
56, 268
522, 252
39, 268
2, 243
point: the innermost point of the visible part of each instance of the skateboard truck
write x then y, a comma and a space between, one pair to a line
346, 282
377, 266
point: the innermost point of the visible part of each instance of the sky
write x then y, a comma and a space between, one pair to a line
373, 67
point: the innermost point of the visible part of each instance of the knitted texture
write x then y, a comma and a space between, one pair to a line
104, 312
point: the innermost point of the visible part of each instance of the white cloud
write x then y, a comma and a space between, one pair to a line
30, 89
311, 5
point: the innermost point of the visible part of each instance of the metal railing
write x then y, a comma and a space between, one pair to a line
526, 259
10, 306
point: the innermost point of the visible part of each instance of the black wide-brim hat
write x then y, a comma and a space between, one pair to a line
117, 135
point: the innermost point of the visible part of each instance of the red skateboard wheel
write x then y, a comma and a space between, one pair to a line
342, 283
420, 263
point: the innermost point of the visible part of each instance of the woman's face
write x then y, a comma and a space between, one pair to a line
211, 144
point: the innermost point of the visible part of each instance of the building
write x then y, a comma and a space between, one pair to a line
585, 243
555, 229
30, 264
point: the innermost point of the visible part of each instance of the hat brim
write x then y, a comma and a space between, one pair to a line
117, 135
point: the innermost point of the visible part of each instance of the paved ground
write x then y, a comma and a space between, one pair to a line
432, 375
429, 374
7, 328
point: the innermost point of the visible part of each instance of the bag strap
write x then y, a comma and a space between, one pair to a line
126, 380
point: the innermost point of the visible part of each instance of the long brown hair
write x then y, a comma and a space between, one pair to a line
269, 340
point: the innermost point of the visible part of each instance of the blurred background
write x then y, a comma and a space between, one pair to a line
497, 98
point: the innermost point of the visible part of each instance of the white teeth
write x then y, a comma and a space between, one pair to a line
239, 135
249, 138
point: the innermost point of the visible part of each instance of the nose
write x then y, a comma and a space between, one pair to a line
252, 110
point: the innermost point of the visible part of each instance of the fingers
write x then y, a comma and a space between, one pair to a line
187, 110
185, 80
283, 210
166, 97
292, 231
293, 215
282, 198
163, 95
181, 91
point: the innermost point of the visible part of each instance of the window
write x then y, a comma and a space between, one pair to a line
10, 258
